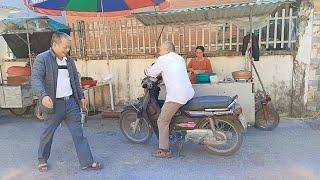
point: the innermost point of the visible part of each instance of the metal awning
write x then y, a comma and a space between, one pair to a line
30, 25
209, 13
5, 11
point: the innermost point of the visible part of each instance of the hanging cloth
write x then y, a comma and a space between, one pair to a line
255, 46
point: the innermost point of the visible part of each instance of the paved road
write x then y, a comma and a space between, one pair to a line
292, 151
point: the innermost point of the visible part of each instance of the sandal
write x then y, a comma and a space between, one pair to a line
43, 167
93, 166
161, 153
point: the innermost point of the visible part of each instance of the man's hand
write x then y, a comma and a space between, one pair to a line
84, 104
47, 102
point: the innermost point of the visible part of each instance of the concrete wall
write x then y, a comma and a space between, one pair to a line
314, 68
303, 58
276, 73
126, 75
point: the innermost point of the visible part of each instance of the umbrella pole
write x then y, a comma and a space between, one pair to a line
160, 35
101, 16
250, 55
28, 44
1, 79
29, 50
252, 63
108, 60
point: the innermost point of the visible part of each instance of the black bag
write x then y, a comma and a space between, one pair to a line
255, 46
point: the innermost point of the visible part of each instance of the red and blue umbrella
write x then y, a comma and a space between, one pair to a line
92, 7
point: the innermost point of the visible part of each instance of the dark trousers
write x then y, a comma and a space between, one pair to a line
69, 111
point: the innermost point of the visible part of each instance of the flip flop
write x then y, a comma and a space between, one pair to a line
43, 167
162, 154
93, 166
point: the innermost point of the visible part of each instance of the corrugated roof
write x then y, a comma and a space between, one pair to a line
209, 13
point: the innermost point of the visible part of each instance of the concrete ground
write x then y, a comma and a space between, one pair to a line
292, 151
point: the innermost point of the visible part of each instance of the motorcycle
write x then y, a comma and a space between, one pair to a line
216, 122
267, 118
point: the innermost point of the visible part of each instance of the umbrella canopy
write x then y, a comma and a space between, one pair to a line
94, 6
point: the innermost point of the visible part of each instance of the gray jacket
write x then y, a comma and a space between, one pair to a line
44, 78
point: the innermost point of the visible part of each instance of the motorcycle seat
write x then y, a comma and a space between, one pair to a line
207, 102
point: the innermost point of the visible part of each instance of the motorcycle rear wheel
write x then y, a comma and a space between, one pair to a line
127, 118
226, 124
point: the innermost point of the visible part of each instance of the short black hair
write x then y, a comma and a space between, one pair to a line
200, 47
58, 36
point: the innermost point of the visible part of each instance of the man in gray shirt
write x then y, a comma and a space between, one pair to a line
55, 80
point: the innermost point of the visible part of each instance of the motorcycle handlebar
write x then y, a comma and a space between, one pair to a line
148, 82
235, 97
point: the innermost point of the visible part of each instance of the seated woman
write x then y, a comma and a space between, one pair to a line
199, 64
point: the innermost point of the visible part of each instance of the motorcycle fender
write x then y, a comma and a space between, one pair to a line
241, 117
243, 121
131, 106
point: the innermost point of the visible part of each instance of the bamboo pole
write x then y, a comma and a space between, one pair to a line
121, 43
230, 36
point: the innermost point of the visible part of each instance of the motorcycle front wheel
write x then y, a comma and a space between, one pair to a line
127, 123
267, 118
232, 128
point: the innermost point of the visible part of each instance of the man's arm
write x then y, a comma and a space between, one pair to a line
190, 66
155, 69
38, 77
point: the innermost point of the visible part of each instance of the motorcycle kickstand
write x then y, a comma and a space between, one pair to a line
212, 125
179, 145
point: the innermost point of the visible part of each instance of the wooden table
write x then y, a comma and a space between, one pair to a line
99, 96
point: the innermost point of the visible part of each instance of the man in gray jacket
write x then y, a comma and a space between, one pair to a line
55, 80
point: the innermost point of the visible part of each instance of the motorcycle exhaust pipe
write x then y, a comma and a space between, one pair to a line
205, 137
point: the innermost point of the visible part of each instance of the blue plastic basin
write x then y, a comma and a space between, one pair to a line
204, 77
